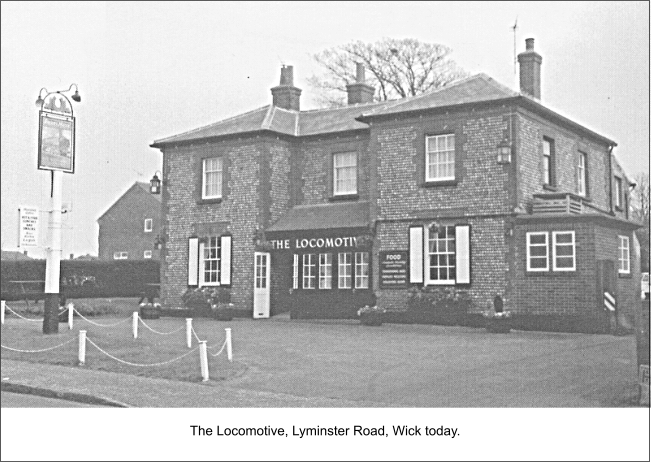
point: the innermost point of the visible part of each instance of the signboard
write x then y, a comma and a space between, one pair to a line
393, 269
28, 227
56, 142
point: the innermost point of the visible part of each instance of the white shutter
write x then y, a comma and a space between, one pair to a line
193, 261
416, 255
226, 261
462, 233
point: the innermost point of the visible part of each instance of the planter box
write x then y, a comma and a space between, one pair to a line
371, 319
150, 312
223, 315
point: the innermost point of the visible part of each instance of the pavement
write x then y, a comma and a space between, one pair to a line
121, 390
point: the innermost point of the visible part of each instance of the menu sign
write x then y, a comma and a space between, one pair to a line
393, 269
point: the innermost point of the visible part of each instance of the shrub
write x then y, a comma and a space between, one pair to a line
439, 305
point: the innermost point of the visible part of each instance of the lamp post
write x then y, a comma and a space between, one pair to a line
56, 153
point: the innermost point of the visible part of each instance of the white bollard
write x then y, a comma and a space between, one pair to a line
188, 331
2, 316
82, 347
71, 312
135, 324
229, 344
203, 353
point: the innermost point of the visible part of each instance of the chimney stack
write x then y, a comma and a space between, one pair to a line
286, 95
359, 92
530, 70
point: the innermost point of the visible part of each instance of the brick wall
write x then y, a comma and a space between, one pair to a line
122, 227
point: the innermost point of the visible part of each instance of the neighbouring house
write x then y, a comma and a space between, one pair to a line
471, 188
12, 255
130, 228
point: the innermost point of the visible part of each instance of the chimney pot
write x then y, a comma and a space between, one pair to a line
360, 92
287, 75
286, 95
530, 62
529, 43
360, 73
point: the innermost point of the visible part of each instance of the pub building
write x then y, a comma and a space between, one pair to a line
473, 187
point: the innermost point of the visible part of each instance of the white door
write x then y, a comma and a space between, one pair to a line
261, 290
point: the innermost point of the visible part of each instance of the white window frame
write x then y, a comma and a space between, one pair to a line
309, 271
149, 225
345, 270
212, 171
582, 177
325, 271
204, 249
618, 192
295, 272
555, 245
529, 245
433, 156
121, 255
344, 173
147, 254
362, 270
624, 257
450, 253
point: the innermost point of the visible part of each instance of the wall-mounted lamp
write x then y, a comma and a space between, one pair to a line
504, 151
434, 227
154, 183
40, 100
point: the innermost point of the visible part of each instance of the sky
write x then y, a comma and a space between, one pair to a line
148, 70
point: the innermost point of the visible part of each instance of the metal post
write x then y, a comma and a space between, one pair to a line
135, 324
203, 353
188, 331
2, 316
71, 311
229, 344
82, 347
53, 259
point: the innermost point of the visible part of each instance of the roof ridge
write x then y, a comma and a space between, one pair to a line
169, 138
268, 118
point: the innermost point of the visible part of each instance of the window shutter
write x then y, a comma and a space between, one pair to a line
462, 233
226, 261
416, 255
193, 261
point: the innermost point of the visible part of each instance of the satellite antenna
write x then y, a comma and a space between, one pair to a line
515, 58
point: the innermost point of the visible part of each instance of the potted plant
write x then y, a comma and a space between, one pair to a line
371, 315
497, 322
150, 310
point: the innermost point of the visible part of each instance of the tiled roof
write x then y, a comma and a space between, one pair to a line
324, 216
145, 186
13, 255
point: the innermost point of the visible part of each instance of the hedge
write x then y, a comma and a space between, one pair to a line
83, 279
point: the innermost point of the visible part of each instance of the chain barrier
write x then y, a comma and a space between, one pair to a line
140, 365
23, 317
160, 333
195, 334
39, 351
98, 324
220, 350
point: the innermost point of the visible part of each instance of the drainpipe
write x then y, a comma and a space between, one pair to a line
610, 179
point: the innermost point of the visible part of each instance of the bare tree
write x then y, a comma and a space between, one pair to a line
397, 68
640, 208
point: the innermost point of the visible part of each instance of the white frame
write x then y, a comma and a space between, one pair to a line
440, 282
147, 254
295, 272
151, 225
582, 174
621, 249
309, 271
619, 202
548, 161
325, 280
202, 262
555, 245
546, 245
204, 177
360, 275
429, 153
335, 173
341, 270
121, 255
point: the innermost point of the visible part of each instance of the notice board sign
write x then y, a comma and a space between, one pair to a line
394, 269
56, 142
28, 227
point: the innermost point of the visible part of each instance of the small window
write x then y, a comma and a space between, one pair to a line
564, 250
582, 174
537, 252
345, 173
548, 161
295, 272
345, 271
149, 225
146, 254
624, 255
120, 255
309, 271
209, 262
618, 192
325, 271
361, 270
212, 178
439, 163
